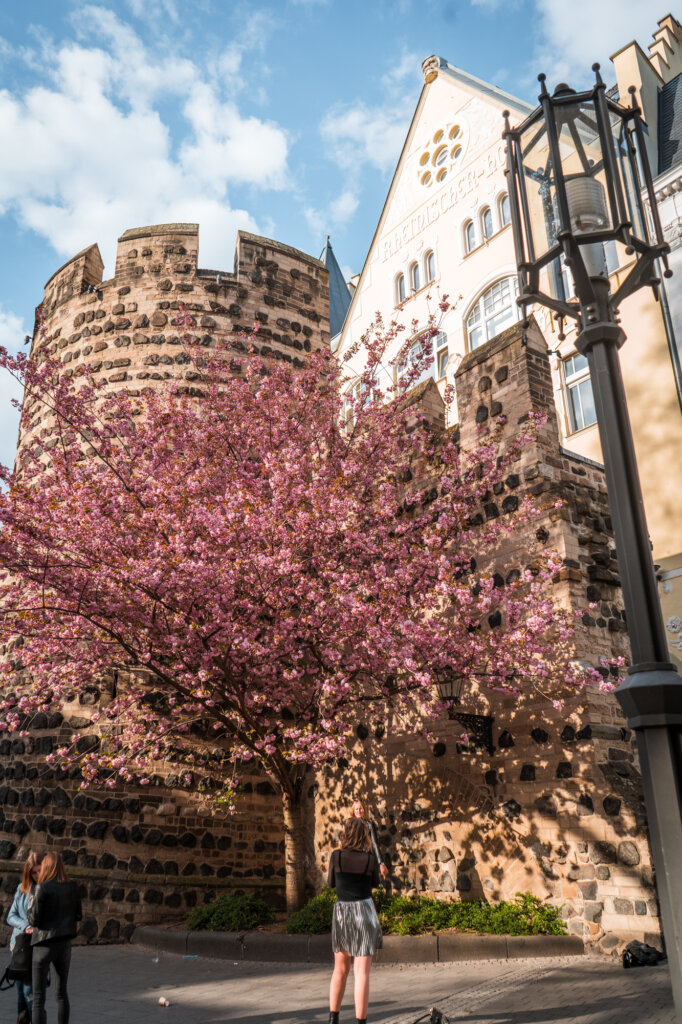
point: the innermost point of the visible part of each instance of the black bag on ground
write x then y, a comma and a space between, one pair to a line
638, 954
21, 962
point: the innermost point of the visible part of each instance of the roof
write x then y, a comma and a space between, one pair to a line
339, 295
670, 125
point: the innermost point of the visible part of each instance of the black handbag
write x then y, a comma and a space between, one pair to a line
20, 966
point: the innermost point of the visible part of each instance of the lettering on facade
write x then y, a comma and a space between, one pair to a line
448, 197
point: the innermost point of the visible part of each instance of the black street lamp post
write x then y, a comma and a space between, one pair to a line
577, 167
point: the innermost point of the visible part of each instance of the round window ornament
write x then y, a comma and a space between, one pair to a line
454, 131
438, 136
456, 152
426, 178
440, 156
424, 159
442, 174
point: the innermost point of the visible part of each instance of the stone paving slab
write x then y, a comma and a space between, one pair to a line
122, 985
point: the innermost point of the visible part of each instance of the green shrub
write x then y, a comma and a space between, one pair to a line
236, 913
315, 917
415, 915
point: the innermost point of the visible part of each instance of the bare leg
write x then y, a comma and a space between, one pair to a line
339, 978
361, 966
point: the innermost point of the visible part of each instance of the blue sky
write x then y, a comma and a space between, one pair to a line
283, 118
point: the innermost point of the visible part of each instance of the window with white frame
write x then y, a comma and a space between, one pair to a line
580, 400
432, 354
487, 222
430, 266
495, 310
414, 277
505, 212
469, 236
399, 288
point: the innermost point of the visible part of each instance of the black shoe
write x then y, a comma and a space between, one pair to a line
334, 1016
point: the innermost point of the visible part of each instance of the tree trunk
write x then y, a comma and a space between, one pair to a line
294, 850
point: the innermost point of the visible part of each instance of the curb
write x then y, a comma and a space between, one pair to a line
316, 949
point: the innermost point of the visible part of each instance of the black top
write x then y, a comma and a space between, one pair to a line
54, 911
353, 873
372, 829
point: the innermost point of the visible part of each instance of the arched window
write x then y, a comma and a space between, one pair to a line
431, 354
399, 288
469, 236
505, 214
430, 266
487, 222
414, 277
492, 312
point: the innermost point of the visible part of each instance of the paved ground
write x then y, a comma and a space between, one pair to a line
122, 984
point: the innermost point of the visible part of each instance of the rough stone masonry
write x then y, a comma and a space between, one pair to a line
543, 801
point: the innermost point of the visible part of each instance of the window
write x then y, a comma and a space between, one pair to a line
487, 222
400, 288
495, 310
469, 236
432, 354
581, 411
505, 213
441, 345
430, 266
414, 277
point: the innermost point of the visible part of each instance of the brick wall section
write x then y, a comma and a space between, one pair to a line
148, 854
556, 807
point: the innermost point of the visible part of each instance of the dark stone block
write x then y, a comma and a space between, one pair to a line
112, 804
510, 503
622, 906
98, 892
132, 805
188, 840
496, 409
107, 861
546, 806
512, 809
190, 899
170, 867
97, 829
482, 414
78, 829
206, 870
501, 374
602, 853
362, 732
173, 899
495, 620
87, 743
539, 735
56, 826
491, 777
564, 770
136, 866
611, 805
7, 851
88, 928
527, 773
568, 734
506, 740
585, 805
110, 930
208, 842
153, 896
463, 883
189, 869
585, 733
265, 788
439, 749
27, 798
69, 856
22, 827
170, 840
120, 833
117, 895
40, 823
484, 384
224, 842
133, 896
153, 837
628, 853
491, 510
136, 835
12, 797
153, 867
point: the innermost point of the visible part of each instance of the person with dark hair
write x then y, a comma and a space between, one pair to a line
356, 932
359, 812
17, 919
54, 911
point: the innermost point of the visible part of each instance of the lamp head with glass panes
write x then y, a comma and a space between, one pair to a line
578, 169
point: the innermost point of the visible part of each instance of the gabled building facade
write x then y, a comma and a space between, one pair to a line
444, 230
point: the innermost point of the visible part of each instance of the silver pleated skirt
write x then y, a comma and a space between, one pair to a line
356, 929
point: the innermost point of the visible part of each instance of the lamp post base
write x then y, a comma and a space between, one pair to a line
651, 698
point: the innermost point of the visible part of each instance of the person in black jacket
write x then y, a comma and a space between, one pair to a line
54, 911
356, 932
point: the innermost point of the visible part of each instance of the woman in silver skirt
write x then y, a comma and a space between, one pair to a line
356, 932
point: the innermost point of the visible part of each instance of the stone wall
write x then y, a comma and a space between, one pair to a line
554, 806
148, 854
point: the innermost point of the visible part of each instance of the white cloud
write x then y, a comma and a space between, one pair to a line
91, 155
154, 10
336, 215
359, 134
572, 36
12, 334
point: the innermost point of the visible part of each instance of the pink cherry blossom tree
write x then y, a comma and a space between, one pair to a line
256, 558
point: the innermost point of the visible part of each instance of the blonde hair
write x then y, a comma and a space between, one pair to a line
355, 835
52, 869
32, 861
